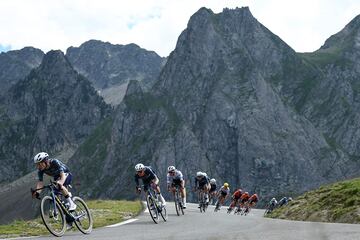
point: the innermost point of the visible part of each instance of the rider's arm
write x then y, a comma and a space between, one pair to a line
39, 184
137, 180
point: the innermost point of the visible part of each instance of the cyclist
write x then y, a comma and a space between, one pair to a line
176, 178
235, 198
253, 200
284, 201
222, 194
272, 204
212, 191
250, 203
149, 178
244, 198
56, 169
202, 183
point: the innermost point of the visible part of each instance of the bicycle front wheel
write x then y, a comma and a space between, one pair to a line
154, 214
52, 216
177, 206
163, 213
83, 219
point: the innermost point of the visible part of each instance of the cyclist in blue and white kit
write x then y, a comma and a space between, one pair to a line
56, 169
202, 182
149, 178
176, 178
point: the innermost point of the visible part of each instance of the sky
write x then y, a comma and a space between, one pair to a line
156, 24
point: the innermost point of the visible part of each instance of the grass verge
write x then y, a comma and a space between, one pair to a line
339, 202
104, 212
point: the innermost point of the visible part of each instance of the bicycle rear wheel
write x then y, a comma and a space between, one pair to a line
83, 219
152, 209
52, 216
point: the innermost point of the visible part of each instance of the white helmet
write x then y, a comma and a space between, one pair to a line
40, 157
273, 199
171, 168
213, 181
139, 167
199, 174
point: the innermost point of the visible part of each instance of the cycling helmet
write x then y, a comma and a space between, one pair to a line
41, 157
290, 199
226, 185
139, 167
199, 174
213, 181
171, 168
246, 193
273, 199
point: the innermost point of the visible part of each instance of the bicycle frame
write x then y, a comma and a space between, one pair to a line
56, 199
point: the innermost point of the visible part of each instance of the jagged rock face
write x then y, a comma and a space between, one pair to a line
107, 65
232, 100
15, 65
52, 108
333, 104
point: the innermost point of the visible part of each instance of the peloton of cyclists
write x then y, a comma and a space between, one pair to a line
149, 179
175, 178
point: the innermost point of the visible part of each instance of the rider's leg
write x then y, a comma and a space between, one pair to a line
206, 190
157, 189
183, 193
65, 181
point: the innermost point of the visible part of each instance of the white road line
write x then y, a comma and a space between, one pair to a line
19, 238
123, 223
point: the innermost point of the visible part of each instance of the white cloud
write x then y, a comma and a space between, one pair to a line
156, 24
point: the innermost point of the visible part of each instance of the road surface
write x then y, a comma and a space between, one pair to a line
219, 225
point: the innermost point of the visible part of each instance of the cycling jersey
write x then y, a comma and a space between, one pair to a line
253, 199
212, 187
149, 175
244, 198
175, 179
223, 191
202, 181
237, 194
54, 170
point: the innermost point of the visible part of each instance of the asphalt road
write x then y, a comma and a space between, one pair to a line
219, 225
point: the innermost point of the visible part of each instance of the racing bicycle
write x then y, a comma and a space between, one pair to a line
178, 202
155, 206
55, 214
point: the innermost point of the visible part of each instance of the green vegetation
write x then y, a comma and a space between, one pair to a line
339, 202
104, 212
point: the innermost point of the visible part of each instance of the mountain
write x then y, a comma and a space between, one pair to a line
15, 65
233, 100
333, 103
53, 109
110, 67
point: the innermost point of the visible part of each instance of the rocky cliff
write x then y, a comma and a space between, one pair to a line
52, 109
110, 66
15, 65
233, 100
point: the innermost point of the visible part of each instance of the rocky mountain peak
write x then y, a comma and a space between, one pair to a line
347, 38
133, 89
16, 64
54, 61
